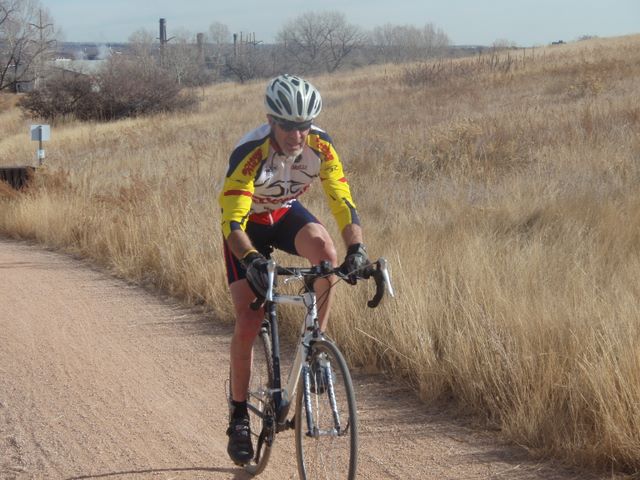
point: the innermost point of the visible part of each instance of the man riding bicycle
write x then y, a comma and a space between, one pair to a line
268, 170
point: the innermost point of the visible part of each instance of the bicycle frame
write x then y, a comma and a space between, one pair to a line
310, 331
282, 395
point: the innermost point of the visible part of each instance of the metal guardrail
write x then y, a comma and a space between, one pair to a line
16, 177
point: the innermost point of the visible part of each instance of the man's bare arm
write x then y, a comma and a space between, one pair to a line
239, 243
351, 234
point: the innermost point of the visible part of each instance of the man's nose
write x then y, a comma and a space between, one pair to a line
296, 135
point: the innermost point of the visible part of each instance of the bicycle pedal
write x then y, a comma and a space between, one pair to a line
291, 424
286, 425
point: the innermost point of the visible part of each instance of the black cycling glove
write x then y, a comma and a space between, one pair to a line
355, 262
255, 265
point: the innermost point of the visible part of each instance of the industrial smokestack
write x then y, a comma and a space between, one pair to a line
235, 45
163, 39
163, 31
200, 41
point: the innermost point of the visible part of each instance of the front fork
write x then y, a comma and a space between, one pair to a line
312, 429
306, 385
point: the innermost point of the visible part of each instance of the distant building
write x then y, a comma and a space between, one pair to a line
79, 67
24, 86
71, 69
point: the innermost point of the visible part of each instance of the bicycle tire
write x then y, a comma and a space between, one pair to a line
260, 398
332, 455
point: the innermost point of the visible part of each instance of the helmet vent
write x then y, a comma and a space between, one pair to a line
285, 102
272, 106
300, 102
312, 103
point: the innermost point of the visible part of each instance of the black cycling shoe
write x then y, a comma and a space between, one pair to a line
240, 448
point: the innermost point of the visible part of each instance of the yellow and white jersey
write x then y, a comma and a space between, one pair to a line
261, 182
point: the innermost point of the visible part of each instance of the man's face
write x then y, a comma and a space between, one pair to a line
290, 136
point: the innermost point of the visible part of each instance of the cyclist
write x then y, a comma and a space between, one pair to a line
268, 170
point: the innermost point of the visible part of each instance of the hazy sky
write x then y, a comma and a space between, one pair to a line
526, 22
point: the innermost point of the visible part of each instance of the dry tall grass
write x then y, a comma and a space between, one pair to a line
506, 199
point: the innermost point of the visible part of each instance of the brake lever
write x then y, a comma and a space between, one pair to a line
373, 303
387, 278
383, 283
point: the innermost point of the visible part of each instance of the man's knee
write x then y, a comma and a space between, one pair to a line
315, 244
324, 249
247, 326
248, 321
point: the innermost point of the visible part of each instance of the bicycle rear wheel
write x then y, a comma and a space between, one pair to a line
326, 420
260, 403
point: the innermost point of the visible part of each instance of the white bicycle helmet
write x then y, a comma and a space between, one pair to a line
292, 98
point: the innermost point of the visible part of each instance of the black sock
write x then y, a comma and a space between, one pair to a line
239, 409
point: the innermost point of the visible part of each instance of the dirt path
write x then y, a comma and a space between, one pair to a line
102, 380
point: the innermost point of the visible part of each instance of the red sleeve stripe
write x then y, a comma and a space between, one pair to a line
237, 192
232, 269
343, 179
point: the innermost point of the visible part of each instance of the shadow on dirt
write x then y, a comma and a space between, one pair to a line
239, 474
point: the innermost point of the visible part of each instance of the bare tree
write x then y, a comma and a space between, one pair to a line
219, 33
181, 57
435, 40
248, 62
27, 38
342, 40
220, 38
142, 46
503, 44
401, 43
316, 41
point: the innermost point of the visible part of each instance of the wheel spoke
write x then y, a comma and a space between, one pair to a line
260, 403
330, 451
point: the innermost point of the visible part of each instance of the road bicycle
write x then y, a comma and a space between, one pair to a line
325, 417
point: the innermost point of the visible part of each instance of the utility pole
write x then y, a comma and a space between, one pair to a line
243, 43
163, 40
200, 47
42, 46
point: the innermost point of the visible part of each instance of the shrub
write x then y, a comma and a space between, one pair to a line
442, 72
63, 95
122, 88
128, 88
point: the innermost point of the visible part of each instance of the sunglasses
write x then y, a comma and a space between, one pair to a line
289, 126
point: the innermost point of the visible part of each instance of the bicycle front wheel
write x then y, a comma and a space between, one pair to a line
260, 403
326, 420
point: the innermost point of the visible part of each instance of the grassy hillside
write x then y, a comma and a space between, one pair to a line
503, 189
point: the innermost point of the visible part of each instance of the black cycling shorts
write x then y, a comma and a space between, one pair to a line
265, 238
